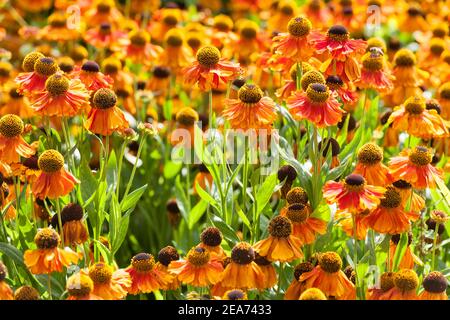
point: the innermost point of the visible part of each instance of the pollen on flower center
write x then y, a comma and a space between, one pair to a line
249, 30
26, 293
161, 72
45, 66
435, 282
235, 294
354, 182
46, 239
30, 59
105, 28
334, 82
104, 7
301, 268
391, 198
297, 195
338, 33
11, 126
387, 281
187, 116
415, 105
170, 20
104, 98
437, 46
373, 61
404, 58
111, 65
223, 23
90, 66
57, 20
406, 280
139, 38
100, 273
280, 227
299, 26
330, 262
250, 93
174, 38
311, 77
370, 154
198, 256
211, 236
143, 262
50, 161
79, 285
167, 255
318, 92
297, 212
312, 294
242, 253
71, 212
208, 56
420, 156
57, 84
402, 184
444, 91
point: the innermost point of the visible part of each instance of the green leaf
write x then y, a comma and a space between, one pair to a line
171, 169
265, 192
242, 215
400, 251
13, 253
88, 184
322, 212
132, 198
167, 109
182, 200
196, 213
111, 170
206, 197
228, 233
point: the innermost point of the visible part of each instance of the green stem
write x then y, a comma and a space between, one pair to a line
60, 225
133, 171
119, 168
210, 106
298, 78
355, 255
245, 175
49, 279
433, 255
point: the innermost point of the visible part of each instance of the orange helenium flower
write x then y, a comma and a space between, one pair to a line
105, 117
109, 284
414, 166
210, 71
416, 120
61, 97
370, 165
343, 52
242, 272
79, 287
200, 268
317, 105
54, 181
296, 43
352, 194
48, 258
328, 277
435, 286
390, 217
12, 144
251, 110
145, 276
281, 245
